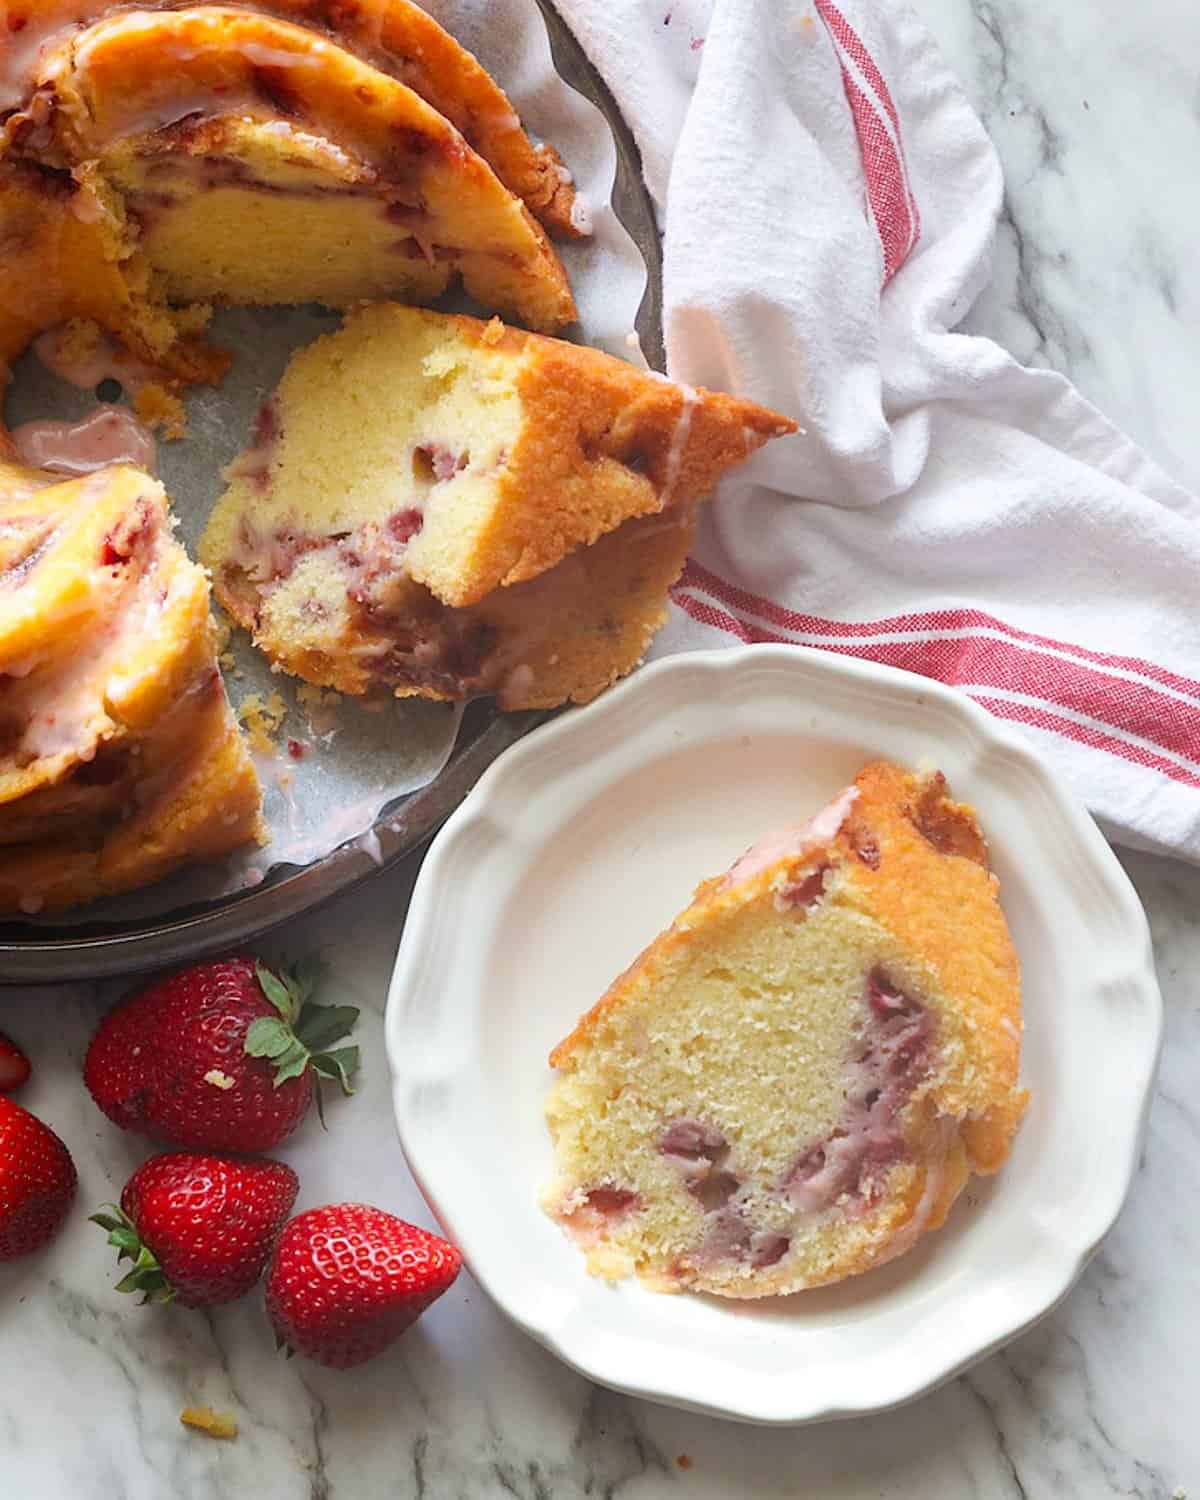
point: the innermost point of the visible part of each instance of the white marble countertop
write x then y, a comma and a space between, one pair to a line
1094, 109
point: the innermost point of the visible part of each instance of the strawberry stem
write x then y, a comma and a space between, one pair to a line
147, 1275
301, 1034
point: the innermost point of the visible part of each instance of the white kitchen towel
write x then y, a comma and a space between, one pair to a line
829, 200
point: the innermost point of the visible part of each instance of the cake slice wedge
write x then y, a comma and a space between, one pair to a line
793, 1083
416, 459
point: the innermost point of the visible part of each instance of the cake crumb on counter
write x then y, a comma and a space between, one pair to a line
684, 1461
217, 1424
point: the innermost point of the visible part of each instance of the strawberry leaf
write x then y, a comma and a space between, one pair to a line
306, 977
302, 1034
147, 1275
319, 1026
125, 1242
279, 992
340, 1065
268, 1037
291, 1064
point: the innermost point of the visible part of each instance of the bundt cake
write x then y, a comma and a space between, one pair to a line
396, 36
119, 756
254, 162
793, 1082
432, 505
415, 460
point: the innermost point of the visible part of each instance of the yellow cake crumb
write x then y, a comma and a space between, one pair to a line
183, 787
194, 319
161, 409
222, 632
262, 718
320, 706
217, 1424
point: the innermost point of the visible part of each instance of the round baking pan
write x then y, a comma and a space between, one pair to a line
32, 952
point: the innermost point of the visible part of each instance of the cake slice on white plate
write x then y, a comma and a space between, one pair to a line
795, 1080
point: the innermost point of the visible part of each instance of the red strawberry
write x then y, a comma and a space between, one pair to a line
220, 1057
198, 1229
37, 1181
14, 1065
346, 1280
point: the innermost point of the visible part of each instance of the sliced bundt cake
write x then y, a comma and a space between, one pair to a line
417, 448
396, 36
793, 1082
119, 757
263, 164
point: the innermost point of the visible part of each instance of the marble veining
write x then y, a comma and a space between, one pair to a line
1094, 110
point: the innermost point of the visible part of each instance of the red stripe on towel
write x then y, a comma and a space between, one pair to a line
1016, 663
696, 575
889, 196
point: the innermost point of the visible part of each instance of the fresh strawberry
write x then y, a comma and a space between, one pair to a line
14, 1065
37, 1181
219, 1057
198, 1229
346, 1280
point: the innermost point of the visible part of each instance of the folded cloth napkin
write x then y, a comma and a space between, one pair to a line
829, 200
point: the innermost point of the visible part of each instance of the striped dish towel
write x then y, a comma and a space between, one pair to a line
829, 201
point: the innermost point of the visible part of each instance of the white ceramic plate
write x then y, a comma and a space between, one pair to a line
583, 841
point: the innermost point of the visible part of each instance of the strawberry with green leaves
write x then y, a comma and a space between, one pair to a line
223, 1056
197, 1228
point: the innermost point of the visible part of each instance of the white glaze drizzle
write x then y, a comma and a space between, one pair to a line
108, 435
791, 843
679, 440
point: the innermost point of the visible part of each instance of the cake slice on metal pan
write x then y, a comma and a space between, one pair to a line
418, 477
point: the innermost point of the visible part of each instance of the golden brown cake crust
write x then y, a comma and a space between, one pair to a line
609, 443
927, 889
119, 757
404, 41
912, 859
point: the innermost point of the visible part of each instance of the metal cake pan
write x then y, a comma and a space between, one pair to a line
32, 953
